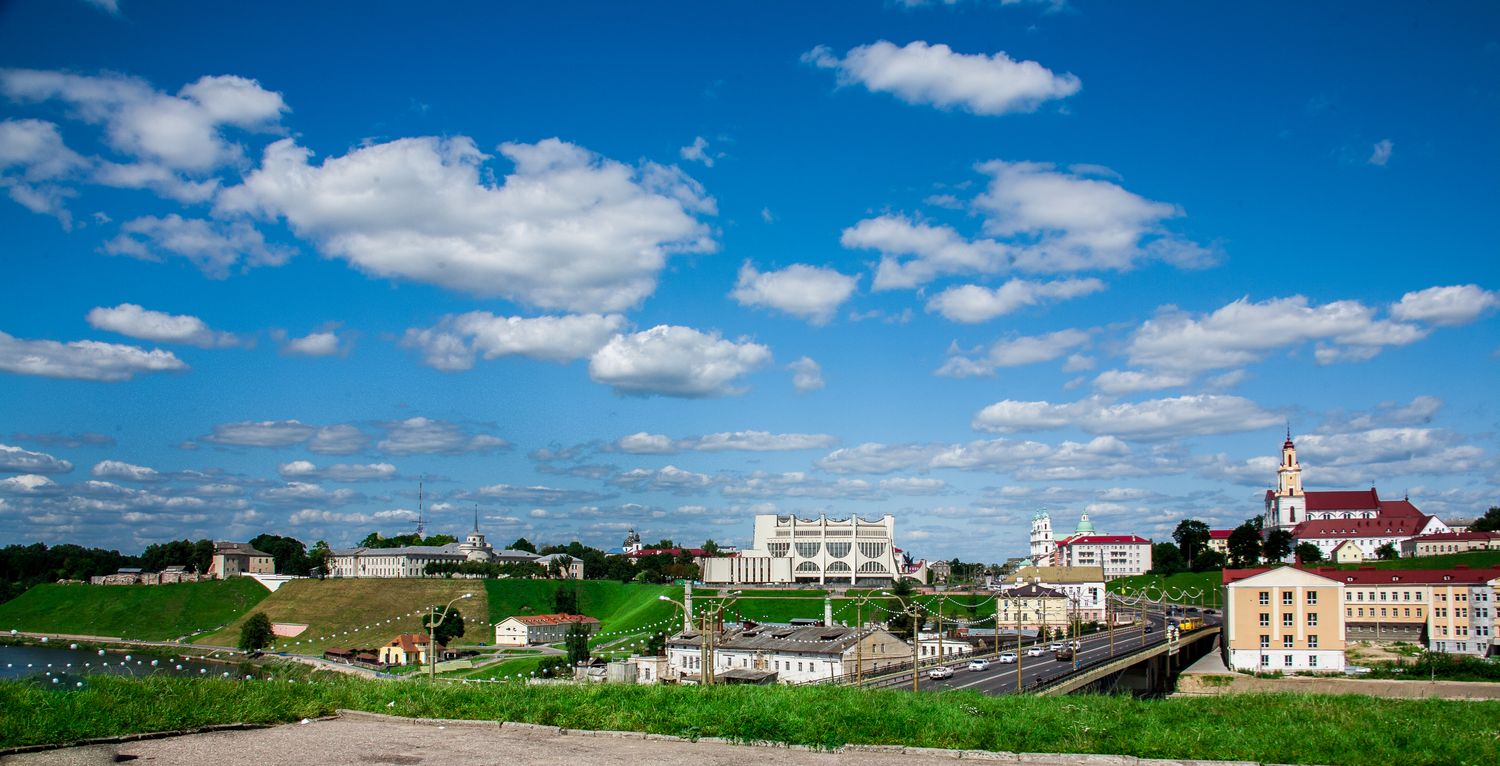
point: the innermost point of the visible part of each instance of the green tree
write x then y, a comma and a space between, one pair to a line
320, 559
1489, 522
1191, 536
1387, 552
1166, 559
577, 642
256, 633
289, 552
1308, 553
1244, 546
565, 601
904, 624
656, 645
450, 628
1208, 561
522, 544
710, 548
1278, 545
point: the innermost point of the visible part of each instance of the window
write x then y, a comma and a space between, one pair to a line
1265, 641
1286, 642
1287, 660
1265, 597
1349, 611
1288, 620
1287, 598
1265, 661
1312, 619
1312, 641
1419, 611
1312, 598
1312, 660
1265, 619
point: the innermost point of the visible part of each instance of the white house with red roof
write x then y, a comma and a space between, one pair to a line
1118, 555
527, 629
1329, 519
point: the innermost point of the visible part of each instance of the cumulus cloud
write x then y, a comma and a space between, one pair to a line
264, 433
1012, 352
919, 73
323, 343
807, 376
1117, 382
913, 253
71, 441
421, 435
454, 342
115, 469
26, 483
1148, 420
667, 479
974, 303
83, 359
510, 494
1244, 332
18, 460
183, 132
136, 322
33, 159
812, 293
669, 360
1380, 153
1099, 458
214, 247
1449, 306
697, 152
567, 229
742, 441
308, 471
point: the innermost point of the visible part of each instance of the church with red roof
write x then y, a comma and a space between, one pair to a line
1330, 518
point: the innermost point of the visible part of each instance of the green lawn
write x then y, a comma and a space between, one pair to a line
1473, 559
1308, 729
144, 612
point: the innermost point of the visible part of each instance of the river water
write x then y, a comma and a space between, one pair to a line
69, 665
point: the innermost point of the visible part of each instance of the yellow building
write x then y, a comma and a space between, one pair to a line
1348, 552
1029, 607
1446, 610
405, 649
1284, 619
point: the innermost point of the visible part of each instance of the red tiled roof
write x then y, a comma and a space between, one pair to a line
1411, 576
668, 551
1398, 508
1220, 534
554, 619
1103, 539
1382, 526
409, 642
1230, 575
1357, 500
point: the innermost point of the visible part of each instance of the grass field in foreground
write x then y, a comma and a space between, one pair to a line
143, 612
1357, 731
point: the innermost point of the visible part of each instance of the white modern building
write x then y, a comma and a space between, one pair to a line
825, 551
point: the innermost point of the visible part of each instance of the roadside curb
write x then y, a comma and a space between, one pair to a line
1030, 759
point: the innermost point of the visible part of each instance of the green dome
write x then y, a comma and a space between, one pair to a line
1085, 527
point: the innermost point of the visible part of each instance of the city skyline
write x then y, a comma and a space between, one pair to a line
587, 268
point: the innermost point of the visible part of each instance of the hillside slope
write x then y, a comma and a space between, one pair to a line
147, 612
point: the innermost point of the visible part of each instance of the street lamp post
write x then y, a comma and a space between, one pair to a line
859, 646
711, 614
432, 625
912, 610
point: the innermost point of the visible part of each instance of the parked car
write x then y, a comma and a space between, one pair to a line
1210, 611
1192, 610
941, 671
985, 664
1009, 658
1035, 651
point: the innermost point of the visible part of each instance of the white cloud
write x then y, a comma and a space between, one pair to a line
1117, 382
934, 74
337, 440
320, 344
807, 292
1012, 352
115, 469
136, 322
214, 247
264, 433
32, 156
1454, 305
1078, 363
1244, 332
421, 435
744, 441
1152, 419
183, 132
697, 152
309, 516
568, 229
83, 359
974, 303
454, 341
669, 360
18, 460
25, 483
936, 250
303, 469
667, 479
807, 376
1380, 153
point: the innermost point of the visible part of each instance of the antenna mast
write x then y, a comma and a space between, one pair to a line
421, 529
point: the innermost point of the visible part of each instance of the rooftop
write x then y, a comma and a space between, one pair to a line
806, 639
536, 620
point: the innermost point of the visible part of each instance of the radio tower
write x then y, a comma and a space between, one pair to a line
420, 521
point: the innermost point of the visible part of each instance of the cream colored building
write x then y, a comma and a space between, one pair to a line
234, 559
1348, 552
788, 549
1029, 607
1446, 610
788, 655
1450, 542
1083, 586
405, 649
1284, 619
528, 629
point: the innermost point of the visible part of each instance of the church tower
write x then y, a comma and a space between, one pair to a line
1287, 506
1042, 544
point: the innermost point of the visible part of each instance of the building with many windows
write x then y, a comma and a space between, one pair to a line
1446, 610
234, 559
1082, 586
1284, 619
412, 560
825, 551
756, 653
1450, 542
1118, 555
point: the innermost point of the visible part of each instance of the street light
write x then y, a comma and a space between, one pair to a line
432, 634
711, 615
859, 646
912, 610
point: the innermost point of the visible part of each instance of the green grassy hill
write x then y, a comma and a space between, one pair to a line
146, 612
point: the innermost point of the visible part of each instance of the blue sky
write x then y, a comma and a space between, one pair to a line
588, 267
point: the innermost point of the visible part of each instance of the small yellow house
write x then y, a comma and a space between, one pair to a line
1348, 552
405, 649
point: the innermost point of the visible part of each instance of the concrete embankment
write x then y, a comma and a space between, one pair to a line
1208, 676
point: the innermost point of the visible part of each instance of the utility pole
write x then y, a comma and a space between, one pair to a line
1019, 654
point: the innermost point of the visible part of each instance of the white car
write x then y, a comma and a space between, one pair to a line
1054, 647
1009, 658
1035, 651
985, 664
941, 671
